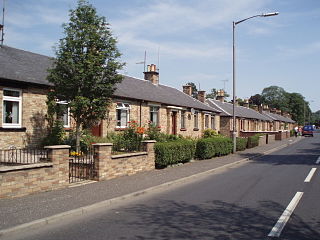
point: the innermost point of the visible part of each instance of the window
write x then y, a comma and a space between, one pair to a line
212, 122
183, 119
154, 115
206, 121
195, 116
11, 108
123, 114
63, 113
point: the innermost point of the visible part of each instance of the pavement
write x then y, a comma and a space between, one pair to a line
17, 214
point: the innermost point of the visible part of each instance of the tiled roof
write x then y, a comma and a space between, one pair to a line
278, 117
145, 90
19, 65
242, 112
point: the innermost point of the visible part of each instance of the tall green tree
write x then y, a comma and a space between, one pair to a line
275, 97
255, 99
86, 65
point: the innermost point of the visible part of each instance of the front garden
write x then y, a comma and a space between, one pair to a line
169, 149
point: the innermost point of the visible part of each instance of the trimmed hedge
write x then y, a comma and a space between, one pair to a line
253, 141
241, 144
211, 147
179, 151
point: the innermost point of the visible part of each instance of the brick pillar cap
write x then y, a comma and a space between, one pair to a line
102, 144
149, 141
57, 147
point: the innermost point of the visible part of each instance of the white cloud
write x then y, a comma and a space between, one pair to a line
310, 49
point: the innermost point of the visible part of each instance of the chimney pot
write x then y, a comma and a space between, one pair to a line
187, 89
202, 96
151, 74
220, 95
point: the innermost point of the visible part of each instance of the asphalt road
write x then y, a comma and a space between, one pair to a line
244, 202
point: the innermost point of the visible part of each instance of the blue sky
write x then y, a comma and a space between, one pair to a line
194, 40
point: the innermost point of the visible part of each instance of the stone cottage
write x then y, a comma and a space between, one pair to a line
23, 90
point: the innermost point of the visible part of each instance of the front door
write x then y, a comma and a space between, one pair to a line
97, 130
174, 123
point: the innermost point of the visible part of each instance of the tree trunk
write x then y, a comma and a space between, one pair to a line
78, 135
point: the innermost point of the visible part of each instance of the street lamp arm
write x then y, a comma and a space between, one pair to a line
259, 15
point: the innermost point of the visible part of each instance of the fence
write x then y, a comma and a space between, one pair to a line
15, 156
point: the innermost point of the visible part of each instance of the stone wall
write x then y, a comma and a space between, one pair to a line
33, 126
111, 166
22, 180
139, 112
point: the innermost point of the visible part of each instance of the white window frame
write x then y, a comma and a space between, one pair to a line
68, 113
213, 122
196, 120
151, 106
126, 107
206, 121
12, 99
183, 119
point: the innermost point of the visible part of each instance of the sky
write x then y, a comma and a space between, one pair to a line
191, 40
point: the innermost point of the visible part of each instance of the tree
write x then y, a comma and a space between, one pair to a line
275, 97
297, 106
194, 89
255, 100
85, 70
212, 94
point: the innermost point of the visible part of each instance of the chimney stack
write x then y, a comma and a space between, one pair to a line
151, 74
246, 103
220, 95
202, 96
187, 89
260, 108
255, 107
265, 108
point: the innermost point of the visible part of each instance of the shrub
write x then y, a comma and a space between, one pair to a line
132, 137
253, 141
210, 133
55, 135
153, 132
168, 153
241, 144
212, 147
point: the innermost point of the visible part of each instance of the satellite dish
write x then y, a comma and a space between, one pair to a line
192, 110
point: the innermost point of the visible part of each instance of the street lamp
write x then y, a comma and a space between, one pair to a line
234, 72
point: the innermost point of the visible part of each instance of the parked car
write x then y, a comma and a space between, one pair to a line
307, 130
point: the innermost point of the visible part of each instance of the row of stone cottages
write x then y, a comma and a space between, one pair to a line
23, 89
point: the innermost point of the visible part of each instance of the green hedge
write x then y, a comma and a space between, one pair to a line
253, 141
179, 151
211, 147
241, 144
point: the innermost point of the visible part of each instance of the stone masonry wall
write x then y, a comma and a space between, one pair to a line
27, 179
33, 120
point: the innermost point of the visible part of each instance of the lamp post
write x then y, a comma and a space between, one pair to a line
234, 133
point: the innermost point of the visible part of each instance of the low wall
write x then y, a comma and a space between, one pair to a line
282, 135
110, 166
16, 181
262, 140
271, 138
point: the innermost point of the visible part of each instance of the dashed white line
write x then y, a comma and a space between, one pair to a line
310, 175
318, 161
277, 229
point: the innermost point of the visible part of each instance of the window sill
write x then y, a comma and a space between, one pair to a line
183, 129
120, 129
8, 129
196, 129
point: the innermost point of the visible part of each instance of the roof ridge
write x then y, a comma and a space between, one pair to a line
27, 51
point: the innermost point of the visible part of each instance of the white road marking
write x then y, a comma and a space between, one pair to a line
277, 229
310, 175
318, 161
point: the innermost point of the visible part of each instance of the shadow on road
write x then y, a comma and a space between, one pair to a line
212, 220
